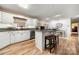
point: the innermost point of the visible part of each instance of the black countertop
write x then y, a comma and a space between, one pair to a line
12, 29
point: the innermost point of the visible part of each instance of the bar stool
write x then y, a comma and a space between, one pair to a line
52, 42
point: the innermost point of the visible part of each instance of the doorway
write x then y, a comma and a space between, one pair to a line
74, 29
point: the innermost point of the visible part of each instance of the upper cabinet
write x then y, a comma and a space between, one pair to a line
7, 18
20, 21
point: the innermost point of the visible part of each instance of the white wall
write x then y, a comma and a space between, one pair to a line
31, 23
78, 31
66, 25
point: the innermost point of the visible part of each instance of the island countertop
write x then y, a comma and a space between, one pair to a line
34, 29
15, 29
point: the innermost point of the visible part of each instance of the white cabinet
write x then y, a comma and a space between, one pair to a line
0, 16
22, 35
7, 18
25, 35
12, 37
4, 39
17, 36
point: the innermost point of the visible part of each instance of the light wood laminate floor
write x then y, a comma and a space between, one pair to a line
66, 47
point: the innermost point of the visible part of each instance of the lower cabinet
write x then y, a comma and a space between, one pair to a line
17, 36
7, 38
25, 35
12, 37
4, 39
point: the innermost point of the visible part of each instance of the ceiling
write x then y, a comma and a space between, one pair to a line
44, 11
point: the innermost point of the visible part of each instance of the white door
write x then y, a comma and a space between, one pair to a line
4, 39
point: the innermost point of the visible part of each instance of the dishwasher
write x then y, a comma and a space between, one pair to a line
32, 34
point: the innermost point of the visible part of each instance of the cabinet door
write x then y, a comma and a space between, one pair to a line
0, 16
18, 36
7, 18
4, 39
12, 37
15, 36
21, 35
27, 35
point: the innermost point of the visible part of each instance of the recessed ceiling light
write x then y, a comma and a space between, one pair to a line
24, 6
77, 16
57, 15
47, 18
73, 17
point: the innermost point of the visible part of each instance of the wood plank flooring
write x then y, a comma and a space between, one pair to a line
66, 47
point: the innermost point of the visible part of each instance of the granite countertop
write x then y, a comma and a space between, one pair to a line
12, 29
46, 30
15, 29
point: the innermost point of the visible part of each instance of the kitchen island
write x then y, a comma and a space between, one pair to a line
40, 37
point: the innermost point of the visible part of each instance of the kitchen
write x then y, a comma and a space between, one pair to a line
17, 28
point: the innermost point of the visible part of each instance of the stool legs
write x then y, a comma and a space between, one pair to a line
50, 45
45, 43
